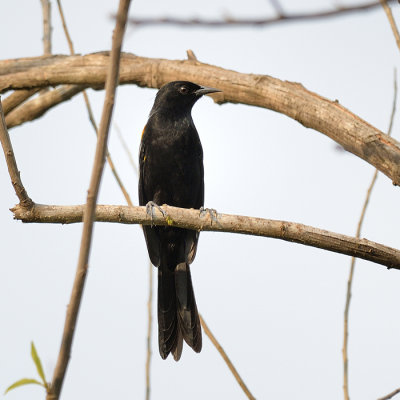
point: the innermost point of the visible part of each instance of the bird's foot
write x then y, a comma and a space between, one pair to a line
211, 212
150, 206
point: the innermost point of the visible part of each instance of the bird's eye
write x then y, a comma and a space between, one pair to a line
184, 90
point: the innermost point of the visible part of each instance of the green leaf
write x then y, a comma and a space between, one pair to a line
38, 364
21, 382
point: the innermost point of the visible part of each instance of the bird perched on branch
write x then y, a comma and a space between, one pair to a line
171, 172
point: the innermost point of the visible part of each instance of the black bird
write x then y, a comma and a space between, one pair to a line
171, 172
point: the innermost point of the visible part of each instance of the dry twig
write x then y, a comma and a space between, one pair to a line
77, 291
392, 22
228, 362
289, 98
25, 201
390, 395
90, 111
46, 11
191, 219
353, 260
149, 329
229, 22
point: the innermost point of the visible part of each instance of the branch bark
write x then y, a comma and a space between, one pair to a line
292, 99
35, 108
25, 201
193, 219
90, 207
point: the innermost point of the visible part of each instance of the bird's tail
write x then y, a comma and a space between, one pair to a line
178, 318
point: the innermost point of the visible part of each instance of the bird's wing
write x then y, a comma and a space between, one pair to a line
150, 233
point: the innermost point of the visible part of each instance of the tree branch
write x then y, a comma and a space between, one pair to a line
191, 219
90, 207
229, 22
390, 395
228, 362
391, 20
46, 10
289, 98
25, 201
36, 107
15, 99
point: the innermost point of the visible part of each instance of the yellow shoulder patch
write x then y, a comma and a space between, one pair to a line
143, 130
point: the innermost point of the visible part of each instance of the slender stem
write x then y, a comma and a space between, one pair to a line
390, 395
226, 359
229, 22
24, 199
88, 219
46, 11
90, 111
149, 329
353, 260
392, 22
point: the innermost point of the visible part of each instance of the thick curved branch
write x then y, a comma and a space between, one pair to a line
289, 98
36, 107
192, 219
16, 99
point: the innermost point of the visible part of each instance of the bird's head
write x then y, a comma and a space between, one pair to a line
179, 97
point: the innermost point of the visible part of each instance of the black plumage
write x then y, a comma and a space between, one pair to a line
171, 172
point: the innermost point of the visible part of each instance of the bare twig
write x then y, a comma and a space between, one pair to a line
90, 111
149, 329
126, 148
64, 24
278, 7
20, 191
228, 362
290, 98
389, 15
353, 260
77, 291
38, 106
390, 395
46, 11
254, 22
193, 219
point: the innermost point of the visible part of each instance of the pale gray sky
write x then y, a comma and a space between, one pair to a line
276, 307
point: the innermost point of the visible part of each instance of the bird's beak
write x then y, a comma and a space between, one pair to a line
206, 90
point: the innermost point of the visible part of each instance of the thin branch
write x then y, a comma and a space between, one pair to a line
149, 329
226, 359
193, 219
90, 111
278, 7
64, 24
389, 15
17, 98
253, 22
353, 260
20, 191
38, 106
289, 98
90, 207
390, 395
126, 148
46, 11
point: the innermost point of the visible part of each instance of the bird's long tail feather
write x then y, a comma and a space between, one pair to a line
178, 318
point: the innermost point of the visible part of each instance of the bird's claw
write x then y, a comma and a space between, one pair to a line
150, 206
211, 212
